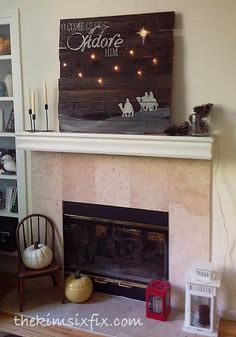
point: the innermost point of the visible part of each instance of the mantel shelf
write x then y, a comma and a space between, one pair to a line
115, 144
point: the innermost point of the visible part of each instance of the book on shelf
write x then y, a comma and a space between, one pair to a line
1, 119
14, 203
11, 199
9, 190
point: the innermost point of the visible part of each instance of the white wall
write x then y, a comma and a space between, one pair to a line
204, 71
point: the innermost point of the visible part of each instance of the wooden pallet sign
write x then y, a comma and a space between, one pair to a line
116, 73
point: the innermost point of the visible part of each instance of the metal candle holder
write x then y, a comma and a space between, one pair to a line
46, 112
31, 122
47, 121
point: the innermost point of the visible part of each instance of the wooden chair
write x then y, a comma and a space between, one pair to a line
40, 228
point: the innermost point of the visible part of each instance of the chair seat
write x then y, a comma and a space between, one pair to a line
25, 272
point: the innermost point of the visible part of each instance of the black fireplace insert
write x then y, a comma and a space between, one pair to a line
122, 249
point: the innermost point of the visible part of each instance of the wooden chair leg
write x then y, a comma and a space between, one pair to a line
21, 293
60, 286
18, 285
54, 280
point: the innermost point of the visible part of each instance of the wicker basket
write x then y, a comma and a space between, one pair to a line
5, 46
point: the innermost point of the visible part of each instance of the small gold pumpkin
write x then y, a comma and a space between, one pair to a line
78, 288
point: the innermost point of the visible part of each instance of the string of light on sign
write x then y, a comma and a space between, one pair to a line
88, 41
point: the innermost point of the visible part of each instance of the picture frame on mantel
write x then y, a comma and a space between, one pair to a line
116, 73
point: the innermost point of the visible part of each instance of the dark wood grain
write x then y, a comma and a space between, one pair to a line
98, 72
115, 82
122, 23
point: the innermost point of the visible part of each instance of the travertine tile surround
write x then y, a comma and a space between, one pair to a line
180, 186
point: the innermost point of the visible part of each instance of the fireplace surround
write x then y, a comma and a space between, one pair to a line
170, 174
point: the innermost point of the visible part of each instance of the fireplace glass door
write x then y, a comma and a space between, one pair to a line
116, 249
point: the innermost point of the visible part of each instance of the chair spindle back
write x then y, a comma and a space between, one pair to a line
35, 228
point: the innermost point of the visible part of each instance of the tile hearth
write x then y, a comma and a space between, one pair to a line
44, 304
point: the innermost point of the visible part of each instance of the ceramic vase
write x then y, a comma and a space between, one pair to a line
8, 83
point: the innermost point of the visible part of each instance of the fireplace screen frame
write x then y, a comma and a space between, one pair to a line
118, 246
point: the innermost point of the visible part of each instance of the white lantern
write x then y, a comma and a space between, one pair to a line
200, 303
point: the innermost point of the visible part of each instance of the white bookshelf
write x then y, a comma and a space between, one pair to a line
11, 100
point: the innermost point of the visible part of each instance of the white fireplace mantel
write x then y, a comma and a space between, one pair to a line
115, 144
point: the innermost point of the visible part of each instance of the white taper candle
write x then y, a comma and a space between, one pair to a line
33, 102
29, 100
45, 93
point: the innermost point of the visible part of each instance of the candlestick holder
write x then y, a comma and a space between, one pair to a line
33, 119
46, 117
31, 122
46, 112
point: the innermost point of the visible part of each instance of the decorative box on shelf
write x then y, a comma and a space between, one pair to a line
158, 300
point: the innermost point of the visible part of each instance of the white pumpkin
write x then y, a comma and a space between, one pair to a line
78, 288
37, 256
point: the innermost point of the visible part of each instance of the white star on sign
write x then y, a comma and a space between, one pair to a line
143, 34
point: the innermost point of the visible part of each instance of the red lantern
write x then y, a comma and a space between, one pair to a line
158, 300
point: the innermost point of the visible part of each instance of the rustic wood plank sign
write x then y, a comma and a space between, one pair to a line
116, 73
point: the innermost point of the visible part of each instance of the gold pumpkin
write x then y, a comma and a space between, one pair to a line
78, 288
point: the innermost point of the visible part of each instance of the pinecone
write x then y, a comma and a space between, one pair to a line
180, 130
203, 110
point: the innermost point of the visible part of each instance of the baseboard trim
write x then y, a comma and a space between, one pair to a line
228, 314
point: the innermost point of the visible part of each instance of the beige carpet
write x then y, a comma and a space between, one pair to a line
106, 310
